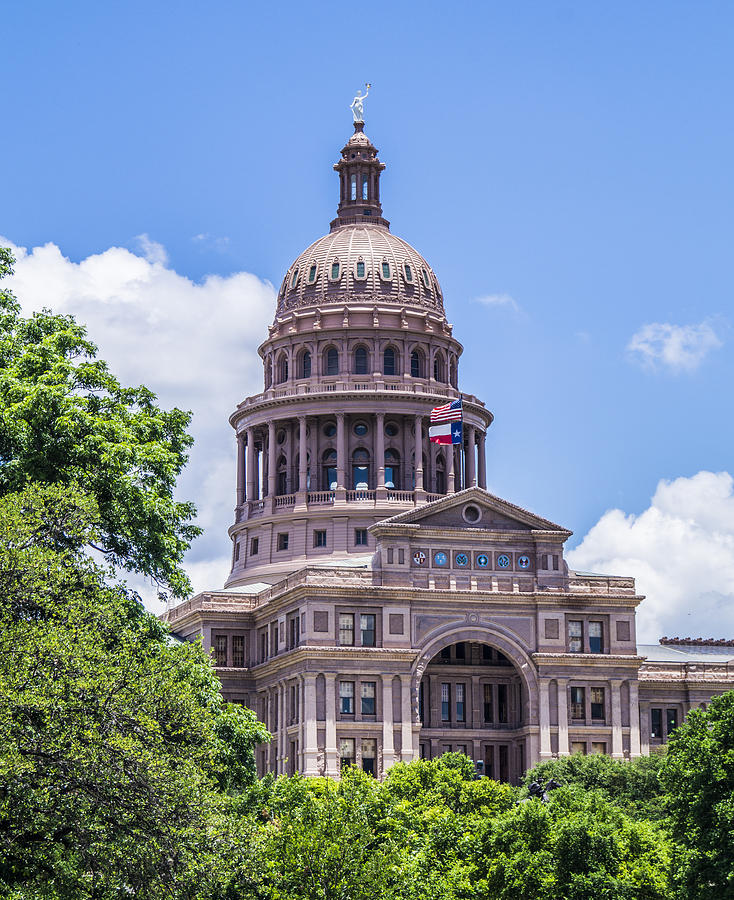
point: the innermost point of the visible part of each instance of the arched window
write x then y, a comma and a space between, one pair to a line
282, 368
360, 361
408, 273
353, 192
452, 372
281, 481
332, 361
328, 466
392, 469
365, 182
305, 365
268, 372
312, 273
294, 279
389, 362
440, 474
416, 364
438, 368
361, 470
297, 470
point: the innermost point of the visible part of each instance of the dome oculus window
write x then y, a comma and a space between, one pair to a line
408, 273
312, 274
386, 270
336, 270
294, 280
361, 272
471, 513
391, 429
426, 282
361, 429
330, 429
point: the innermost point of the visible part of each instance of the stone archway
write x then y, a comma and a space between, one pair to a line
475, 690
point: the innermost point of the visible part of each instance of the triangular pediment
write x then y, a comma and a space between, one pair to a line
459, 511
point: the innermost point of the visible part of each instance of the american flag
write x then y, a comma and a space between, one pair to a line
445, 427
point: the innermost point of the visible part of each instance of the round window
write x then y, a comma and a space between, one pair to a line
330, 429
503, 561
391, 429
482, 560
281, 437
440, 558
360, 429
462, 560
472, 513
524, 562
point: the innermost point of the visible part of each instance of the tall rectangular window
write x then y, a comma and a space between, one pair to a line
346, 752
460, 702
575, 637
421, 702
578, 703
319, 538
460, 650
346, 629
596, 642
502, 703
365, 184
597, 703
367, 629
360, 537
282, 542
369, 694
238, 650
220, 650
254, 546
294, 632
346, 698
353, 186
671, 720
263, 646
488, 705
369, 756
445, 702
656, 723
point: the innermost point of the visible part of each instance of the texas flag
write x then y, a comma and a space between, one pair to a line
445, 427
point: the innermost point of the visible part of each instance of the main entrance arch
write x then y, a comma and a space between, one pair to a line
476, 693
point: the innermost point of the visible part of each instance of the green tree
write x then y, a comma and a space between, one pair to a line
119, 761
698, 775
64, 418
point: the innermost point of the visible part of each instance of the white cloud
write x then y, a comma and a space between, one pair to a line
680, 550
193, 344
499, 300
677, 348
210, 241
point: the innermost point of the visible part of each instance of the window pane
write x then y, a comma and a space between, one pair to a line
656, 723
360, 269
369, 692
346, 697
389, 360
578, 703
445, 702
335, 270
597, 703
346, 629
353, 192
488, 705
671, 720
367, 628
502, 703
220, 649
386, 270
369, 756
365, 183
575, 637
346, 752
460, 703
238, 650
595, 637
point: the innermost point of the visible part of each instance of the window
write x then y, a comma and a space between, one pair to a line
445, 702
360, 470
460, 702
392, 470
656, 723
502, 704
360, 269
353, 191
220, 650
391, 429
346, 698
575, 637
596, 644
671, 720
360, 361
389, 361
369, 756
438, 368
578, 703
329, 429
305, 364
312, 274
425, 278
416, 367
236, 551
335, 271
421, 704
578, 747
329, 470
598, 747
281, 481
460, 650
385, 269
369, 694
332, 361
238, 650
282, 369
367, 629
346, 752
282, 542
488, 706
294, 280
294, 631
360, 537
597, 703
408, 273
319, 538
365, 183
263, 646
361, 429
346, 629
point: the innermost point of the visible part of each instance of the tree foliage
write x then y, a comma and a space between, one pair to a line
64, 418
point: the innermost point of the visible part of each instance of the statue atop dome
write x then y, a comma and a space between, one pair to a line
357, 105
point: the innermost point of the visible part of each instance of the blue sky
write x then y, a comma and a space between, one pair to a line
565, 167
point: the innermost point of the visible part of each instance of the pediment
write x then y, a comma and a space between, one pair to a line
454, 511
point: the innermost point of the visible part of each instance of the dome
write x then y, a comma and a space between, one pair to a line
360, 264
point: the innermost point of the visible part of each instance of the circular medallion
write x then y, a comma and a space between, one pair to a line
482, 560
462, 560
440, 558
419, 557
503, 561
524, 562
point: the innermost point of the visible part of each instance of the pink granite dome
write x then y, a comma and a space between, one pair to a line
360, 264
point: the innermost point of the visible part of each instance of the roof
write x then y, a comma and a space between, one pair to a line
688, 653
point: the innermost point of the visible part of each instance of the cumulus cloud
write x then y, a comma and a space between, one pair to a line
675, 348
680, 550
496, 300
193, 344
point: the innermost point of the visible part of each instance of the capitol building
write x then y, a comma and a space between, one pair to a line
383, 606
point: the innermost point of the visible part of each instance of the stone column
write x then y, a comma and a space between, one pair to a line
645, 728
471, 474
544, 716
418, 455
380, 454
283, 726
406, 718
617, 747
251, 457
450, 471
331, 752
240, 469
302, 454
309, 727
562, 684
482, 460
271, 459
388, 742
635, 742
341, 455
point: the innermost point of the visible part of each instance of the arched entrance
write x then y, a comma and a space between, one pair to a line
477, 694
